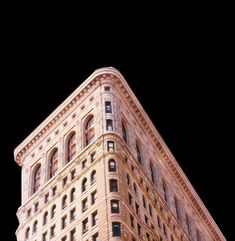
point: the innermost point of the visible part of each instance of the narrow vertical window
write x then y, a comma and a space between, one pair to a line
72, 235
114, 206
177, 208
132, 221
135, 189
139, 229
52, 231
27, 233
94, 218
164, 187
128, 180
124, 133
53, 209
112, 165
89, 131
150, 210
84, 184
152, 173
37, 178
72, 215
93, 197
188, 225
64, 222
116, 228
113, 186
84, 205
64, 201
110, 146
71, 147
164, 230
130, 199
144, 201
35, 226
95, 237
45, 217
109, 125
53, 164
93, 177
108, 107
85, 225
138, 153
72, 194
44, 236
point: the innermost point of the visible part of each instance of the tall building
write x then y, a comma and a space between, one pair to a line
97, 169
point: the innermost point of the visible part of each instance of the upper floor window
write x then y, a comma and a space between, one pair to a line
37, 178
53, 209
138, 153
114, 206
177, 208
95, 237
93, 177
71, 147
116, 228
72, 194
188, 225
89, 130
110, 146
152, 175
27, 233
164, 187
109, 125
45, 217
124, 132
94, 218
113, 186
112, 165
53, 163
108, 107
85, 225
93, 197
84, 184
64, 201
35, 226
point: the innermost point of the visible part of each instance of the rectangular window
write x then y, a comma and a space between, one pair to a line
85, 225
130, 199
94, 218
113, 185
108, 107
159, 222
109, 125
52, 231
95, 237
92, 157
144, 201
139, 229
72, 235
132, 221
44, 236
177, 210
110, 146
164, 230
146, 219
116, 228
114, 206
84, 205
73, 174
148, 237
72, 215
93, 197
137, 209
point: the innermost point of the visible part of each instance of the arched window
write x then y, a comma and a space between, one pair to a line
72, 194
37, 178
64, 201
53, 209
35, 226
45, 217
112, 165
152, 172
138, 153
53, 164
89, 130
124, 133
27, 233
84, 184
93, 177
71, 147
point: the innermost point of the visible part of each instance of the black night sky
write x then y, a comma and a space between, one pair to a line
180, 77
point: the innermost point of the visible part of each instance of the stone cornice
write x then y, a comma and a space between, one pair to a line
138, 111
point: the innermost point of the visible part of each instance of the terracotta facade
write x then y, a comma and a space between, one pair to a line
97, 169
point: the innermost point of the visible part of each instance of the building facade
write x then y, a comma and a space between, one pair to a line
97, 169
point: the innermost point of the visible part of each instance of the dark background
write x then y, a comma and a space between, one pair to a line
179, 70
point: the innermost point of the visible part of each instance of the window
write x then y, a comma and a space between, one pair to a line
64, 238
95, 237
64, 201
112, 165
71, 147
116, 228
46, 198
54, 191
114, 206
89, 130
27, 233
128, 180
35, 226
138, 153
135, 188
150, 210
44, 236
172, 238
108, 107
52, 231
28, 212
93, 197
107, 88
148, 237
72, 215
159, 222
84, 184
53, 209
144, 201
72, 235
92, 157
164, 229
137, 209
113, 186
132, 221
93, 177
152, 173
72, 194
84, 163
130, 199
63, 222
138, 229
198, 235
73, 174
37, 178
64, 181
94, 218
36, 207
177, 210
146, 219
188, 225
45, 217
85, 225
124, 133
84, 205
164, 187
53, 164
110, 146
109, 125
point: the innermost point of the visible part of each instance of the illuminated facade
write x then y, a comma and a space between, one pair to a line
97, 169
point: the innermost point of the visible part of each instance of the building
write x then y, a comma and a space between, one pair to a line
97, 169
